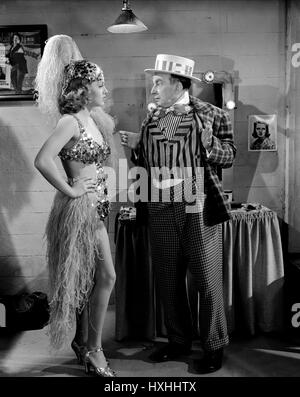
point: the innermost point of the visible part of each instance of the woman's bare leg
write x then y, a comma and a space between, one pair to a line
97, 306
81, 333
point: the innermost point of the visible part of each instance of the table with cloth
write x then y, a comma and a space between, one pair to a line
253, 275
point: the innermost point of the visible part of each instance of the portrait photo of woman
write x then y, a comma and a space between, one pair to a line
262, 133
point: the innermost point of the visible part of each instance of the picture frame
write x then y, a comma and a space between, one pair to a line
262, 133
21, 48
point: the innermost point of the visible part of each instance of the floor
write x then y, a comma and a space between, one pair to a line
27, 354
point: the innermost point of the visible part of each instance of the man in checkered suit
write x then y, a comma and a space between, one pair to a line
183, 143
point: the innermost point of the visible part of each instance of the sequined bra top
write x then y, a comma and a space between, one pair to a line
86, 149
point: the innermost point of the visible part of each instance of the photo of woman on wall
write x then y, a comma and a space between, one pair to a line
17, 60
262, 133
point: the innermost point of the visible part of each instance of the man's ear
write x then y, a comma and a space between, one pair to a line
179, 86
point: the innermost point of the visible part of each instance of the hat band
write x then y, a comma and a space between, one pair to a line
174, 67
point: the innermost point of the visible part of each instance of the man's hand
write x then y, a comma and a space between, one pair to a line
129, 139
207, 136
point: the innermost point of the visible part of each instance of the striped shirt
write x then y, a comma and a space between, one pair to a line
172, 142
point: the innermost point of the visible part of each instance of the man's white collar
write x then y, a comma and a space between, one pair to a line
184, 99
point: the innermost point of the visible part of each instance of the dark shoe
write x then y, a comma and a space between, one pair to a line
79, 351
211, 362
169, 352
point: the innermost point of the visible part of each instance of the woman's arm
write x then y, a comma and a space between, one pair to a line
65, 130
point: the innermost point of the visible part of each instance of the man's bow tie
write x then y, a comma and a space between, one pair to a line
178, 109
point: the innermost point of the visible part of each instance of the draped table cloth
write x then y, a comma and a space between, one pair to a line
253, 277
134, 288
253, 271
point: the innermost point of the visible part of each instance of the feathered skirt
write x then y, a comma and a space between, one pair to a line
72, 247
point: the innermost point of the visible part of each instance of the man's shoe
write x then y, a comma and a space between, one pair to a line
211, 362
169, 352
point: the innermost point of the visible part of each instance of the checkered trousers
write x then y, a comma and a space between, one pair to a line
181, 241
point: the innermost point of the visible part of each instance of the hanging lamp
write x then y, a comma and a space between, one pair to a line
127, 22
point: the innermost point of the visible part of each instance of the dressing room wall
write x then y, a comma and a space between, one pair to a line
247, 38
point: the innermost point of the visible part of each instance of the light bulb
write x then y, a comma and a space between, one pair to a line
230, 104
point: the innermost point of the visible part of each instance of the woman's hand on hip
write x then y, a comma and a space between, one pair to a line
83, 185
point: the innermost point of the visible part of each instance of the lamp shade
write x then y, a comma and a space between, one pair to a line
127, 22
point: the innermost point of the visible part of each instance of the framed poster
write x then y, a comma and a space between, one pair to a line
262, 132
21, 48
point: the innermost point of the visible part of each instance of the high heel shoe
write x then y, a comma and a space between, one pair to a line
98, 371
79, 351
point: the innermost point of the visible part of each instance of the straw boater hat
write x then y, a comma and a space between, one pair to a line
174, 64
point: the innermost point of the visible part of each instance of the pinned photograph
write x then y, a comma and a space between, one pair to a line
21, 48
262, 132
